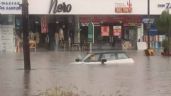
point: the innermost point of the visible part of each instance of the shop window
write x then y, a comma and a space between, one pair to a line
6, 19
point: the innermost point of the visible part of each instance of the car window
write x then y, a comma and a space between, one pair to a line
109, 56
122, 56
93, 58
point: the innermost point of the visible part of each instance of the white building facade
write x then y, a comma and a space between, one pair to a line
102, 13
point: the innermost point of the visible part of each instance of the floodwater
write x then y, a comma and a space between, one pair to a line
149, 76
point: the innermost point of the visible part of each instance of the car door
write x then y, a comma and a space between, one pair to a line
122, 58
93, 59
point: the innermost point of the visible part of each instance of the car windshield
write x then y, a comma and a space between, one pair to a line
86, 56
109, 56
82, 56
92, 58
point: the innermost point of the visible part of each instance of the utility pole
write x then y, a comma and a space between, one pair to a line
26, 49
149, 51
148, 27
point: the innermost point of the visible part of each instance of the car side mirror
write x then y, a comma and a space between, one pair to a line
103, 61
77, 60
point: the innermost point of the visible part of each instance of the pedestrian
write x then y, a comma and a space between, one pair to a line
18, 43
61, 37
56, 39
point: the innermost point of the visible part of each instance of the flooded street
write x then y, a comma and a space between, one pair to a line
147, 77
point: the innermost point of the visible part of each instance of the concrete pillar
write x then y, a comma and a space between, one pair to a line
77, 30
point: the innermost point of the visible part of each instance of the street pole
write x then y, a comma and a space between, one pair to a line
26, 49
148, 27
149, 51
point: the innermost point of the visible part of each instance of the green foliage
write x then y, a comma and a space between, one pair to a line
166, 44
163, 22
163, 25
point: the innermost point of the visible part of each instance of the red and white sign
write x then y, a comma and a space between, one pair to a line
104, 30
44, 24
123, 8
117, 30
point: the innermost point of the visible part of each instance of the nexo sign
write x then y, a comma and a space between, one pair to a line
56, 7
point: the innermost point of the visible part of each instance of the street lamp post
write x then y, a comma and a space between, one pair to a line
26, 49
148, 27
149, 51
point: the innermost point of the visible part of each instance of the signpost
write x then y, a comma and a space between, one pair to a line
91, 34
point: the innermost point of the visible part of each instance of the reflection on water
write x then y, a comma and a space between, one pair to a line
158, 79
149, 76
26, 83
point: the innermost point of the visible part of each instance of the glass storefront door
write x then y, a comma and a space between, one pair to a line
130, 35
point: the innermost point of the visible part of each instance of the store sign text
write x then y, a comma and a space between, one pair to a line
123, 8
56, 7
166, 5
10, 5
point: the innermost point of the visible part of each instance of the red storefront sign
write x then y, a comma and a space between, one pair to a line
117, 30
112, 19
104, 30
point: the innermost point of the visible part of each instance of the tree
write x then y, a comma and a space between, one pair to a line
163, 25
163, 22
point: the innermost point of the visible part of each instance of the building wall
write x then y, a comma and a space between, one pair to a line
77, 8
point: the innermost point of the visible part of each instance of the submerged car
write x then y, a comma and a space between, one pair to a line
105, 58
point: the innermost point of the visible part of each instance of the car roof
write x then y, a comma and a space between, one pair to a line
104, 52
